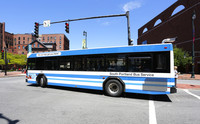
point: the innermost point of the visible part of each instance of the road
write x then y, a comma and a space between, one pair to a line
22, 103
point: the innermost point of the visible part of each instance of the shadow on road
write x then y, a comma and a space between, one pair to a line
162, 98
8, 119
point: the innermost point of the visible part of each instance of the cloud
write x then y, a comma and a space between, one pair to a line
132, 5
106, 23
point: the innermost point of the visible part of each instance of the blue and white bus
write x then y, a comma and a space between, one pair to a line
146, 69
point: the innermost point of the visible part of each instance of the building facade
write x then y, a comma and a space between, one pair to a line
2, 35
172, 23
6, 39
46, 42
62, 42
17, 43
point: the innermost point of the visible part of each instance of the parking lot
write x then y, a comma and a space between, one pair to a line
24, 103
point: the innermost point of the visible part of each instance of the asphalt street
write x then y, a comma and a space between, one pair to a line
22, 103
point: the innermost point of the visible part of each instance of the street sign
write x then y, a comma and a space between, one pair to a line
29, 48
46, 23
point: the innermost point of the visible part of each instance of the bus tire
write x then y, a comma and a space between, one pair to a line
113, 88
43, 81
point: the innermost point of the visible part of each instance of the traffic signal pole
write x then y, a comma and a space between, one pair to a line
96, 17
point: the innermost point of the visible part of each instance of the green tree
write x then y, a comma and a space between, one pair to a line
14, 59
181, 58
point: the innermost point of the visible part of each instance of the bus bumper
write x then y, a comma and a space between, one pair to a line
173, 90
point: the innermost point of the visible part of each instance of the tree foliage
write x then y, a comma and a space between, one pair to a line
15, 59
181, 58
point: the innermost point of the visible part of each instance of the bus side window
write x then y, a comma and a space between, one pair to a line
139, 64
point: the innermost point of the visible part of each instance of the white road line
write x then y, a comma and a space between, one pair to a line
187, 91
152, 113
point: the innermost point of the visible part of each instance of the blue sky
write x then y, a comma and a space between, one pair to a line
20, 15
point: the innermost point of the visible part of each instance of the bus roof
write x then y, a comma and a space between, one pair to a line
109, 50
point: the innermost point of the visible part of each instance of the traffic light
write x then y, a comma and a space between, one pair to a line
36, 29
67, 27
2, 54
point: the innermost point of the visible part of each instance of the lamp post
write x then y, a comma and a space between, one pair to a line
193, 35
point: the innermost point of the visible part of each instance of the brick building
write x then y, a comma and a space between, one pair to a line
46, 42
17, 43
170, 24
62, 42
6, 39
2, 35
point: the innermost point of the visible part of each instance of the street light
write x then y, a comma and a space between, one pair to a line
193, 35
169, 40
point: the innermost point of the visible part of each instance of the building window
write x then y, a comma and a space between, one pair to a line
18, 47
18, 42
48, 38
60, 46
60, 37
28, 38
60, 42
23, 47
15, 39
23, 42
34, 45
18, 38
54, 38
23, 38
43, 38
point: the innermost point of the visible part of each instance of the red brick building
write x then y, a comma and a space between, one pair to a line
6, 39
169, 25
17, 43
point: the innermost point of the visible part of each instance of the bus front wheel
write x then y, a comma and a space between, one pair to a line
113, 88
43, 81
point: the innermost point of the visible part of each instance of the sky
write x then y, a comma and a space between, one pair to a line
20, 16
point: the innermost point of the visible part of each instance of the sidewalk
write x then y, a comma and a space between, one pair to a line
11, 74
188, 77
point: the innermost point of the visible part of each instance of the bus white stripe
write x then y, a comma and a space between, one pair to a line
75, 83
96, 73
66, 78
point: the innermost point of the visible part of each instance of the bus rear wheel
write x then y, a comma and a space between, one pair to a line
113, 88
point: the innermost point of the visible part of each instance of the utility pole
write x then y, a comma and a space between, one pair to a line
193, 35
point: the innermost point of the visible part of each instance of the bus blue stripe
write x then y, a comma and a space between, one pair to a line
32, 82
157, 85
146, 92
126, 49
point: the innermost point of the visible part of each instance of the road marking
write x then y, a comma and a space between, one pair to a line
152, 112
187, 91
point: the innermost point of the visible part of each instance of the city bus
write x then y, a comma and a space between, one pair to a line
145, 69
